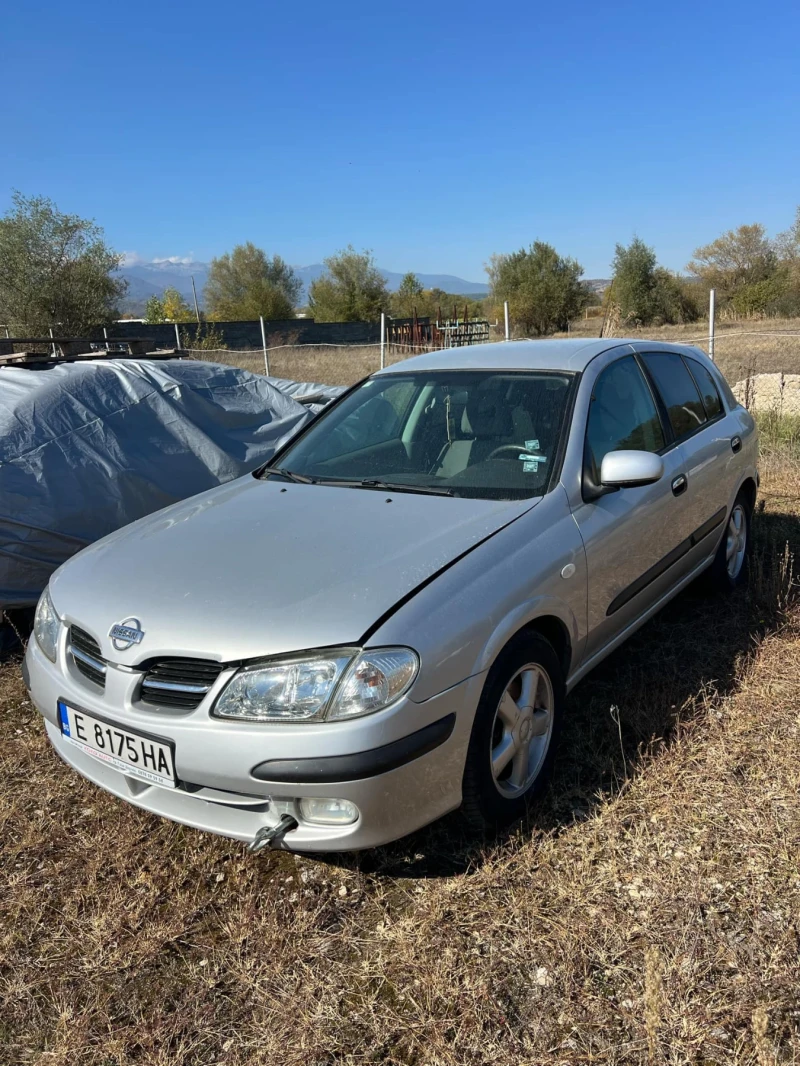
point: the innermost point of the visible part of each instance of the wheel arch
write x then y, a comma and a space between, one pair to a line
556, 633
549, 625
749, 489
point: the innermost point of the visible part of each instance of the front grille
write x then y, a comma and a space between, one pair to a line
179, 682
86, 655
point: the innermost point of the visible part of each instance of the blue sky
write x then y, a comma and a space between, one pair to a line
433, 133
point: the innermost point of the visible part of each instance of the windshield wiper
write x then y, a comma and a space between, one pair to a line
385, 486
300, 479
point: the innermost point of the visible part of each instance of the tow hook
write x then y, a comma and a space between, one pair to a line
268, 835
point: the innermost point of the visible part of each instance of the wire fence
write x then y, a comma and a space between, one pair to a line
762, 365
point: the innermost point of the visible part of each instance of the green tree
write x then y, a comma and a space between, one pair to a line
247, 283
351, 290
762, 297
56, 271
634, 287
175, 308
451, 304
543, 289
678, 299
407, 298
740, 257
787, 246
154, 311
647, 293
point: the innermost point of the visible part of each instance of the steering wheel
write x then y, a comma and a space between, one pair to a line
507, 448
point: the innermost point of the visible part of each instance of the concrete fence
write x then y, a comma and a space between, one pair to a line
247, 335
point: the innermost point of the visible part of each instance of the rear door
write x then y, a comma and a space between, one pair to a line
694, 408
632, 536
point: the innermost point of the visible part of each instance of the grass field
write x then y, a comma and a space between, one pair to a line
647, 912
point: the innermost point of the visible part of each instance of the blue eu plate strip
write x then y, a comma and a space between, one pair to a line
64, 718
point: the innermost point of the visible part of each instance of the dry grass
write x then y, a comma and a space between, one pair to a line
647, 912
311, 362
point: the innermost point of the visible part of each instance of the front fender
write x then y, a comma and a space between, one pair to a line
460, 622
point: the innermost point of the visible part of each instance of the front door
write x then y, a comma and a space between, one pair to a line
632, 536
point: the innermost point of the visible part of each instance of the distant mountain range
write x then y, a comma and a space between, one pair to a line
150, 279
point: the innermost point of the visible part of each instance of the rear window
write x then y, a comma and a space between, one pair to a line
678, 391
707, 387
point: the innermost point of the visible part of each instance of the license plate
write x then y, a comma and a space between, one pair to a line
136, 754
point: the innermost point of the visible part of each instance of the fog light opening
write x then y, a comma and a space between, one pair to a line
327, 811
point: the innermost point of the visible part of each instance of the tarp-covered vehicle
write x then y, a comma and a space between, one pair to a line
87, 447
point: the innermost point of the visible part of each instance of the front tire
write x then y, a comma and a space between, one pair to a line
731, 563
512, 746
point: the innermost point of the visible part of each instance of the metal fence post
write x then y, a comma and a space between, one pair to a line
177, 336
264, 346
712, 302
383, 340
505, 312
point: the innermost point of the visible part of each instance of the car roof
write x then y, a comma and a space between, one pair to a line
566, 354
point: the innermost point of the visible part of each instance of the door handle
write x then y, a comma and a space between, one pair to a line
736, 444
679, 484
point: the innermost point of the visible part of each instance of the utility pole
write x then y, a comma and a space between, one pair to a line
712, 309
505, 313
383, 339
196, 308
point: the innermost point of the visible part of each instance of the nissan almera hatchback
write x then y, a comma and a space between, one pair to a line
381, 626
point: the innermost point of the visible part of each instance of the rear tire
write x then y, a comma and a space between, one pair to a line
512, 747
731, 563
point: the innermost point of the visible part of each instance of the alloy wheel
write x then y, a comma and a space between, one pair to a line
736, 542
521, 731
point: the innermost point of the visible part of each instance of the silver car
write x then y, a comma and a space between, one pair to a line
382, 625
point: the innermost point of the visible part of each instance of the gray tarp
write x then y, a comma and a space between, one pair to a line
87, 447
307, 392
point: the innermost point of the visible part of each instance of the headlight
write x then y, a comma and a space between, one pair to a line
45, 625
341, 683
376, 679
284, 691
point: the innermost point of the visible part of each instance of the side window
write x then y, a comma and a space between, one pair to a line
678, 391
707, 387
622, 415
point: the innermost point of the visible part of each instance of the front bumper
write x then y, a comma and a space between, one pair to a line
408, 760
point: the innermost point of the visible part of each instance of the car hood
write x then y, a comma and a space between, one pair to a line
258, 568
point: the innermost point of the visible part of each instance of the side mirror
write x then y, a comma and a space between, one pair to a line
626, 470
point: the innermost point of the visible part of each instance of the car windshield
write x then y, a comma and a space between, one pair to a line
479, 434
